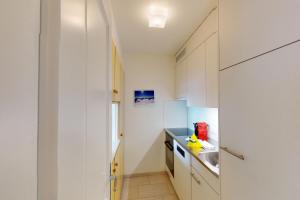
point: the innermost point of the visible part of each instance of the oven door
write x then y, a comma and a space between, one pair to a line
170, 156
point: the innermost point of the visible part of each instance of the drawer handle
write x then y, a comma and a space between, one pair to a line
240, 156
115, 91
194, 177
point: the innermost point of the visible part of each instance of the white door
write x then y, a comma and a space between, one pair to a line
260, 119
19, 58
181, 80
250, 28
196, 78
200, 188
212, 71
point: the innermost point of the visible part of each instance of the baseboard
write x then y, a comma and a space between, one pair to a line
145, 174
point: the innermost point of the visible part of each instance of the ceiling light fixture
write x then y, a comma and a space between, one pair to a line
157, 17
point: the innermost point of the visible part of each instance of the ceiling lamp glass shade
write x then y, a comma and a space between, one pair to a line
158, 17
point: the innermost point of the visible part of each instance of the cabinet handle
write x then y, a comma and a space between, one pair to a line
121, 134
116, 164
240, 156
194, 177
115, 91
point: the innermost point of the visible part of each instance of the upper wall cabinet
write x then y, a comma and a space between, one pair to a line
208, 27
212, 72
197, 69
181, 80
256, 27
196, 78
116, 75
197, 75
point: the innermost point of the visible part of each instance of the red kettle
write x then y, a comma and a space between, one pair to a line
201, 130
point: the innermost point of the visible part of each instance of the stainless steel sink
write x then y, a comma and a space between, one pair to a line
211, 158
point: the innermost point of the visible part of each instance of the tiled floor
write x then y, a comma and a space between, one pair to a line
150, 187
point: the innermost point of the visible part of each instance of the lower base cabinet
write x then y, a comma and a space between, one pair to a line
200, 188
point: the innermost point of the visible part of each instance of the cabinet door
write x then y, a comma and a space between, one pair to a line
200, 189
259, 118
250, 28
212, 72
196, 77
181, 80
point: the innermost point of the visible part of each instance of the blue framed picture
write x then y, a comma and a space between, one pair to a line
144, 96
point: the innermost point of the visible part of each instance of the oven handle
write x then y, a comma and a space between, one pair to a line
169, 146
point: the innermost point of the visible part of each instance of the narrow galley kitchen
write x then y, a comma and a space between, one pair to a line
149, 100
165, 133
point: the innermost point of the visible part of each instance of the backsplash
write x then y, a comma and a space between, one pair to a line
208, 115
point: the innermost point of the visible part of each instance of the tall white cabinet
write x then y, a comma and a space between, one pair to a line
83, 165
259, 119
19, 63
250, 28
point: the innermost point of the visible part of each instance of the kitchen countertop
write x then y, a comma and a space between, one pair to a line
180, 135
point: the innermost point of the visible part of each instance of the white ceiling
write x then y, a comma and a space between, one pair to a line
135, 35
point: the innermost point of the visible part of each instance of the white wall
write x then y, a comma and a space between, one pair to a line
19, 57
144, 137
175, 114
208, 115
48, 100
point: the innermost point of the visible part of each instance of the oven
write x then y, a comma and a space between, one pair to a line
169, 153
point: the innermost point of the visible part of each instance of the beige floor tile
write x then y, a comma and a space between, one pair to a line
136, 181
170, 197
152, 187
159, 178
153, 190
171, 188
150, 198
130, 192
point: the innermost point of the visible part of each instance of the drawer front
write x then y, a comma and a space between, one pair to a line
201, 190
210, 178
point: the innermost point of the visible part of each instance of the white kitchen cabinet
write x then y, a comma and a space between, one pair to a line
182, 169
196, 78
250, 28
212, 180
212, 71
200, 188
181, 80
259, 118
